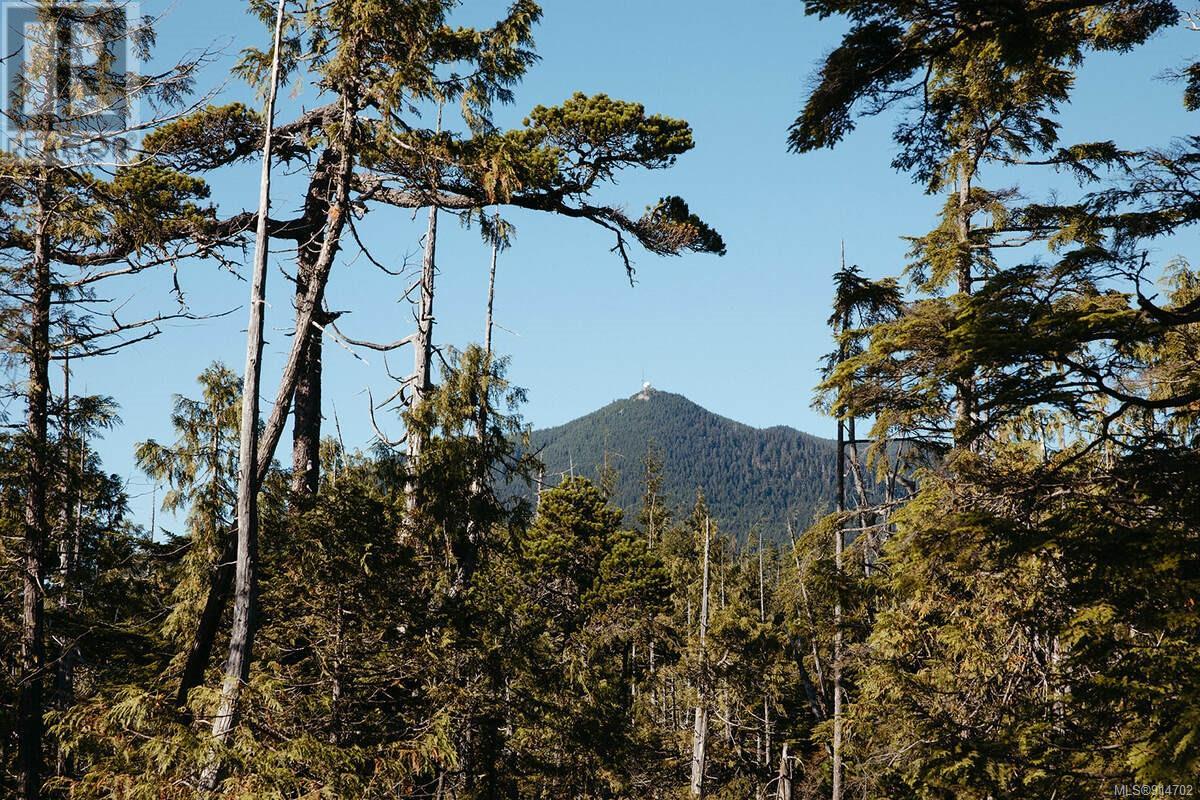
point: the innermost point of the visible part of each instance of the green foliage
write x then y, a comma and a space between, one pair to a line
1007, 600
568, 151
1002, 644
105, 579
749, 476
586, 593
207, 139
1039, 676
953, 61
200, 472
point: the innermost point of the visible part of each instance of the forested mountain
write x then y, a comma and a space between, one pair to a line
749, 475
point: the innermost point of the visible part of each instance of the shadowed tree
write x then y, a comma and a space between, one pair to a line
79, 211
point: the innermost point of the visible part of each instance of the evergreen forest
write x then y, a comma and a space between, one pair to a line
980, 580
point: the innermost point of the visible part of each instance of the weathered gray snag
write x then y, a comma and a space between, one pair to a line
423, 352
491, 296
422, 377
700, 729
839, 543
783, 781
237, 666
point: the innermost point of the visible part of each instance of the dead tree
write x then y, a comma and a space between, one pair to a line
237, 666
700, 728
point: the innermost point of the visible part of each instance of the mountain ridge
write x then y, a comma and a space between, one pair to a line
750, 476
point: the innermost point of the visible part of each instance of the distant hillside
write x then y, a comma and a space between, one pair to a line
749, 475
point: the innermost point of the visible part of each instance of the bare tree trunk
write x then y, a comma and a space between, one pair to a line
783, 781
722, 573
483, 411
491, 299
308, 311
816, 693
422, 377
700, 729
207, 626
307, 314
37, 399
423, 351
870, 545
306, 415
541, 484
766, 732
237, 666
838, 548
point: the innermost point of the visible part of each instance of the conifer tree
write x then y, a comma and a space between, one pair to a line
237, 668
1042, 361
74, 220
200, 472
985, 84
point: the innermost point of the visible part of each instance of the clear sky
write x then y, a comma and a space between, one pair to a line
740, 335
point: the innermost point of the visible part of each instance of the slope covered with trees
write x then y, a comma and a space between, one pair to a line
749, 476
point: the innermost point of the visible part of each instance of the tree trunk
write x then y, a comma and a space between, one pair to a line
838, 548
37, 398
700, 729
306, 411
422, 378
766, 733
871, 543
308, 311
423, 352
491, 299
210, 620
306, 403
783, 781
237, 665
327, 221
699, 743
816, 694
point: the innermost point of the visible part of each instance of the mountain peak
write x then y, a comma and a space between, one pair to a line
750, 476
645, 393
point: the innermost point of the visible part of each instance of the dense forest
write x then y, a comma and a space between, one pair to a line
751, 478
1002, 600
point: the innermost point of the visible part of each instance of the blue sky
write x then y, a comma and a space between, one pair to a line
740, 335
